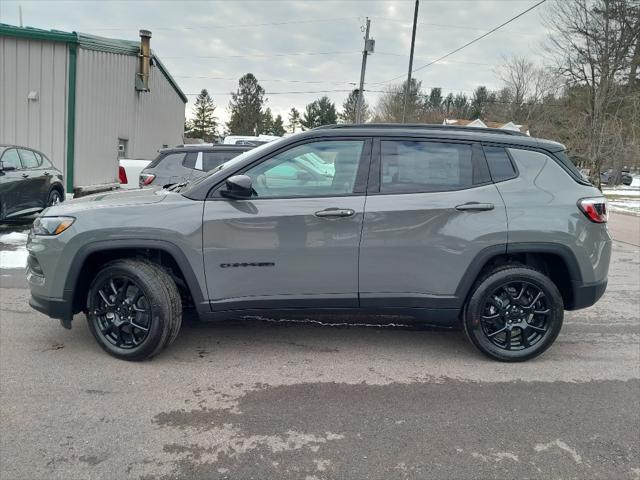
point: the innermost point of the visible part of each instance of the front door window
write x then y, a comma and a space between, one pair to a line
318, 169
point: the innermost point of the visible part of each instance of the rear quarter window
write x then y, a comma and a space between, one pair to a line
166, 159
565, 165
499, 163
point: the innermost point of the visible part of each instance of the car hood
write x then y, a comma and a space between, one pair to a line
109, 199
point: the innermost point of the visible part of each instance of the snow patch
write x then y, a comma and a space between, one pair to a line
624, 206
14, 238
541, 447
622, 192
13, 258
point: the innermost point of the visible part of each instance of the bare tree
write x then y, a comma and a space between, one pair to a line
527, 86
592, 44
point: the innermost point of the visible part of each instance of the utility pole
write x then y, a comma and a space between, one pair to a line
413, 43
369, 45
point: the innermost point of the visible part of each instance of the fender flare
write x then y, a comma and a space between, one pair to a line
139, 243
473, 270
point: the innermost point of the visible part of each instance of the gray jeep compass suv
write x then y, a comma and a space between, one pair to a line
491, 230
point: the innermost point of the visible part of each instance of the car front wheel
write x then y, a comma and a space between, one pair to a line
133, 309
514, 314
54, 198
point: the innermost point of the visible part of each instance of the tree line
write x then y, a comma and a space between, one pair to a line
587, 97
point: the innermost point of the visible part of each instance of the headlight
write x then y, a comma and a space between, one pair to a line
51, 225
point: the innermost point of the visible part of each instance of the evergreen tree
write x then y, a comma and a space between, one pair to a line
204, 124
245, 107
278, 126
320, 112
267, 122
349, 108
435, 101
294, 119
479, 103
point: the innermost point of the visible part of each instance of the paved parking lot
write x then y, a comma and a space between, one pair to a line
269, 399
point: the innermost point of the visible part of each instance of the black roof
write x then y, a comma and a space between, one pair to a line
195, 147
451, 132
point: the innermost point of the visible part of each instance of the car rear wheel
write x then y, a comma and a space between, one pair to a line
133, 309
514, 314
54, 198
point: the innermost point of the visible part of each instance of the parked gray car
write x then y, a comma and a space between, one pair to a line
494, 231
181, 164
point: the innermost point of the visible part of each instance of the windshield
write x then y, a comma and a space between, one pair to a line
235, 161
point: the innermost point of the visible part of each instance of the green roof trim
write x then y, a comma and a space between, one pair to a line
89, 42
36, 33
108, 45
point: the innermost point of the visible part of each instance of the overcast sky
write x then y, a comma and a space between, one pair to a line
304, 46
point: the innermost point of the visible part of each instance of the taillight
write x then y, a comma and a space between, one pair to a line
122, 175
594, 208
146, 179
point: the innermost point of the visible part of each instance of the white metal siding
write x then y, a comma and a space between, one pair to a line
34, 66
108, 107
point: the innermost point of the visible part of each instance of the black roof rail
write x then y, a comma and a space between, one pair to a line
424, 126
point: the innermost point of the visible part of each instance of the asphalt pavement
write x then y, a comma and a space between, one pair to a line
272, 399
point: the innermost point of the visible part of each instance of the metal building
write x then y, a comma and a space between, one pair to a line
86, 101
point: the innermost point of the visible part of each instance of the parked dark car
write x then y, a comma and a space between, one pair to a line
182, 164
29, 182
608, 177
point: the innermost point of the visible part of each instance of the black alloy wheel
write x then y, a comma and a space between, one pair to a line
514, 313
515, 316
121, 312
133, 308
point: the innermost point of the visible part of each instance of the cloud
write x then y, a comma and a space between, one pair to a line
210, 44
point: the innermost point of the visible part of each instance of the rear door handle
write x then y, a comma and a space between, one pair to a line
335, 212
47, 174
474, 206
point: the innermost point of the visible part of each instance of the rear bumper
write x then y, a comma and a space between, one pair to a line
54, 308
585, 295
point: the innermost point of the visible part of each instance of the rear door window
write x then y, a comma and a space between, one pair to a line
411, 166
29, 159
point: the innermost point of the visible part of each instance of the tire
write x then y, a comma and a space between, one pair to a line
55, 197
133, 309
514, 314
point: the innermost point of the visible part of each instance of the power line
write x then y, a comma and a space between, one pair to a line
471, 42
237, 25
278, 80
281, 93
264, 55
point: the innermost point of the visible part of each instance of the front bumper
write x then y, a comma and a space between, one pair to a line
585, 295
54, 308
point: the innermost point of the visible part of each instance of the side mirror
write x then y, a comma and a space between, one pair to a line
238, 187
6, 168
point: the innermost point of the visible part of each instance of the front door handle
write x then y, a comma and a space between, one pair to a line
474, 206
335, 212
25, 175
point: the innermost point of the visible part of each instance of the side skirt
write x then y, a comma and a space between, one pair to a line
440, 317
